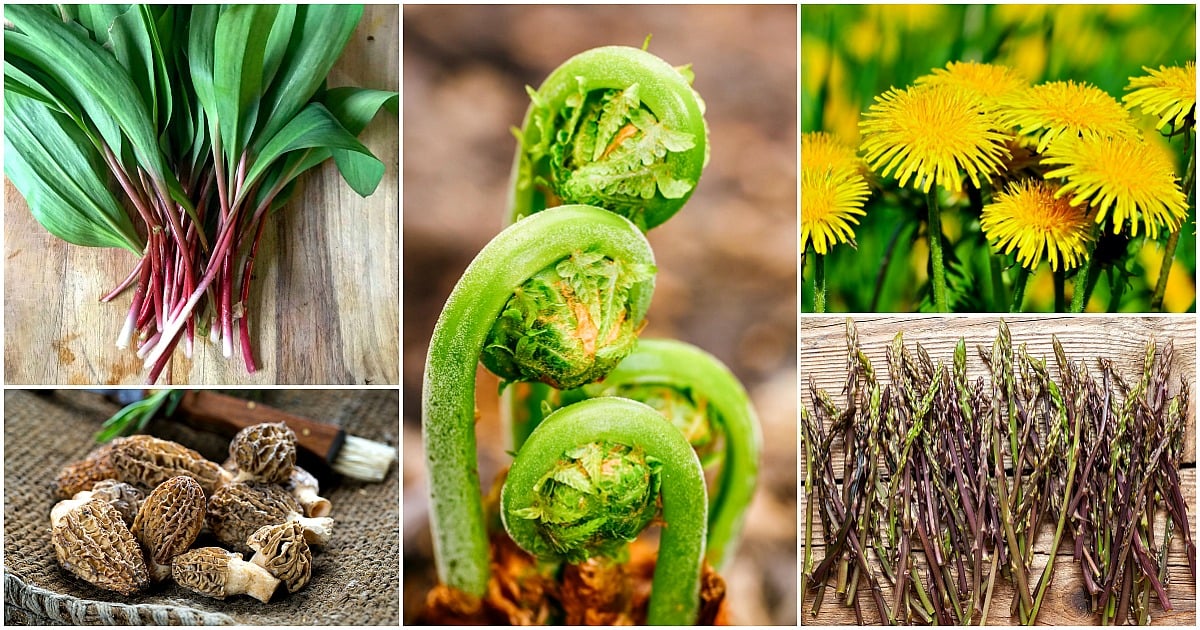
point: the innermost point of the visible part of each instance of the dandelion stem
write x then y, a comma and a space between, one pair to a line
819, 277
1020, 285
1189, 184
1083, 281
935, 253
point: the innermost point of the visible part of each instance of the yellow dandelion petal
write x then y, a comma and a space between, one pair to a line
1029, 218
987, 81
1169, 93
832, 192
932, 134
1059, 108
1123, 174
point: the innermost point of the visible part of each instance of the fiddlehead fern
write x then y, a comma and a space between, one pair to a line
501, 270
712, 406
612, 448
614, 127
704, 400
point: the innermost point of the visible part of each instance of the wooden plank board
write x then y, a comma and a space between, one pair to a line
325, 304
1121, 339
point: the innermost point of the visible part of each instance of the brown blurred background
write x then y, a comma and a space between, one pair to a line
726, 263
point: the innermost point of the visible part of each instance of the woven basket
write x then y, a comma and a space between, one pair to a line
355, 578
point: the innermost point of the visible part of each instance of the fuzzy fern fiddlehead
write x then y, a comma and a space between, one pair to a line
701, 394
611, 454
482, 295
614, 127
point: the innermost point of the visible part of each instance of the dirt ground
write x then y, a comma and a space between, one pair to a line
727, 261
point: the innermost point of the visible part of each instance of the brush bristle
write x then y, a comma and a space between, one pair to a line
364, 459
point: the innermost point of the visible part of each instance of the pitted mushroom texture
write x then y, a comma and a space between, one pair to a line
82, 475
122, 496
146, 461
239, 509
281, 550
264, 452
93, 543
305, 489
169, 522
218, 573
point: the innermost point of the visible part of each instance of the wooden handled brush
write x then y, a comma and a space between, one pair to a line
348, 455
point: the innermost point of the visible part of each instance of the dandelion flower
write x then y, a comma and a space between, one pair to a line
1029, 218
987, 81
1065, 109
1169, 93
1122, 174
832, 192
935, 133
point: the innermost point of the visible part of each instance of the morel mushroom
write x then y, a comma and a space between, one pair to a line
218, 573
281, 550
264, 452
82, 475
304, 488
147, 461
169, 522
122, 496
239, 509
92, 542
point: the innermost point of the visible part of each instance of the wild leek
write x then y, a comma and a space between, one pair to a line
203, 116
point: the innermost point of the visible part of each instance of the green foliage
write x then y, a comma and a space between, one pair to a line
851, 53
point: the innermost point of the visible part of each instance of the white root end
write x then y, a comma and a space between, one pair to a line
126, 335
227, 347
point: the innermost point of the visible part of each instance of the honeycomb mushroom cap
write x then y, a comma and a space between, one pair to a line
146, 461
281, 549
82, 475
169, 522
264, 452
305, 488
238, 510
216, 572
122, 496
93, 543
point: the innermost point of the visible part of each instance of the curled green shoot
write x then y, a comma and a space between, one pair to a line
462, 331
706, 382
618, 421
615, 127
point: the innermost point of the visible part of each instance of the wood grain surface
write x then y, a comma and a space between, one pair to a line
1120, 339
325, 300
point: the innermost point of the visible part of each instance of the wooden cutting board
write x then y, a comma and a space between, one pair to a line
325, 302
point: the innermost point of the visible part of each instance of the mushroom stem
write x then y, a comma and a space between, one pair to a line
251, 579
317, 531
